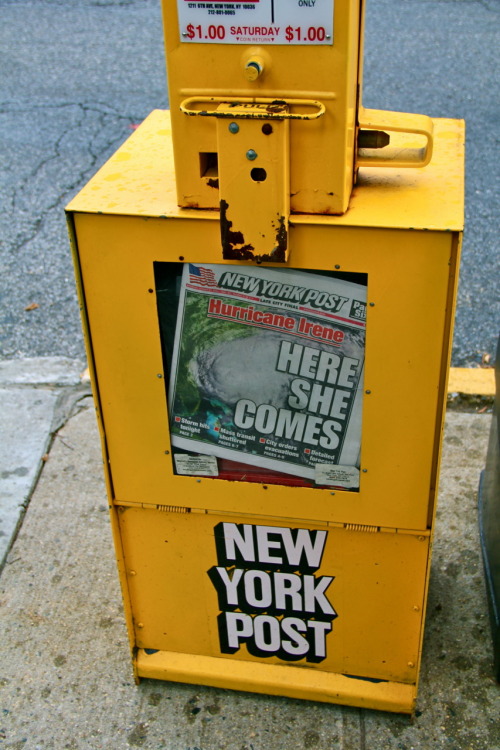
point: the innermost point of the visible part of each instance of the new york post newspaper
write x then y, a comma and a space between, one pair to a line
267, 371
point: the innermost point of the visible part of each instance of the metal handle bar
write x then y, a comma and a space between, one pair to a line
399, 122
275, 109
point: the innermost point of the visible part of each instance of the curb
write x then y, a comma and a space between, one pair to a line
472, 381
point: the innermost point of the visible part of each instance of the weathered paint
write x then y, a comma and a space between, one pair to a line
235, 248
254, 183
378, 545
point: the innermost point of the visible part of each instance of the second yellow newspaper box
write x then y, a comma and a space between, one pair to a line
270, 369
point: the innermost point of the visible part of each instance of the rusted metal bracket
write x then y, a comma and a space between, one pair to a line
254, 180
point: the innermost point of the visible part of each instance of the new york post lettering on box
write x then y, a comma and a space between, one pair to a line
269, 597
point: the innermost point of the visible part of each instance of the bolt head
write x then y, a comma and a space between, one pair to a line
234, 127
251, 154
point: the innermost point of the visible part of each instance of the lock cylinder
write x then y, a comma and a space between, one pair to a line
254, 68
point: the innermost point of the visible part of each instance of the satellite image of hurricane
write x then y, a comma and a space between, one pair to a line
245, 367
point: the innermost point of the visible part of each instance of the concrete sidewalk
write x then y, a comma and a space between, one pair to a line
65, 673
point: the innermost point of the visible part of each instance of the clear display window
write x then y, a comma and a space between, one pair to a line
265, 372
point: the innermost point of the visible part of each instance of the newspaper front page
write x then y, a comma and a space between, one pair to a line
267, 370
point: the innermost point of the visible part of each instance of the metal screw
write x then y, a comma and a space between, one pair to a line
251, 154
234, 127
365, 471
372, 304
411, 664
337, 267
368, 392
159, 375
140, 624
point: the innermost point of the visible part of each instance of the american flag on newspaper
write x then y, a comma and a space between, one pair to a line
201, 276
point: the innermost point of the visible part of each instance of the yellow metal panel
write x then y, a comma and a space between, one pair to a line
272, 679
403, 364
91, 371
322, 166
376, 584
138, 180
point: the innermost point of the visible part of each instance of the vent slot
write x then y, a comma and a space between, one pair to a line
360, 527
173, 509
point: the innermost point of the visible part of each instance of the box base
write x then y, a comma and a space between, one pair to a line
271, 679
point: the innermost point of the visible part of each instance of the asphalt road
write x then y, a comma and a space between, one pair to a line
77, 75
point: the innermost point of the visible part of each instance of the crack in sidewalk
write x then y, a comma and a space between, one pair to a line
69, 402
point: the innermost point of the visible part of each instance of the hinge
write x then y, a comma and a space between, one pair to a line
173, 509
361, 527
157, 506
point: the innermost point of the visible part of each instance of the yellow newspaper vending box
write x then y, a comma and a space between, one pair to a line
268, 327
